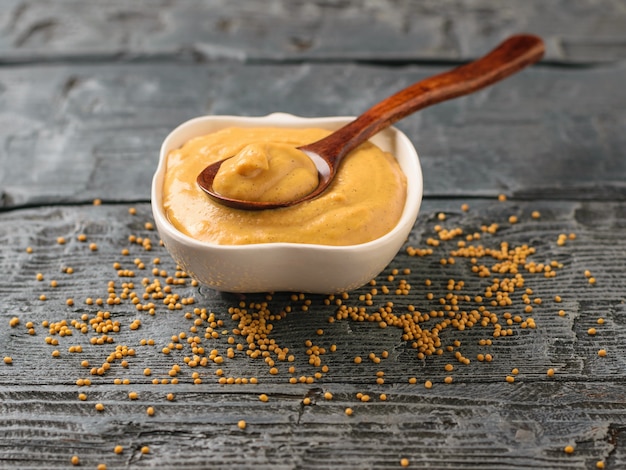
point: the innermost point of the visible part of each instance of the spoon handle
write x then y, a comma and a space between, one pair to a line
510, 56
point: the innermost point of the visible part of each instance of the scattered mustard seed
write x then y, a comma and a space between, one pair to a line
568, 449
241, 424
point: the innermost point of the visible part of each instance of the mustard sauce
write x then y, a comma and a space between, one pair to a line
364, 201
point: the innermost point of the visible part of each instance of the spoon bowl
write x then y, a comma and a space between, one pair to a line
509, 57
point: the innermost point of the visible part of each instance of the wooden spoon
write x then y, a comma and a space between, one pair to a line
509, 57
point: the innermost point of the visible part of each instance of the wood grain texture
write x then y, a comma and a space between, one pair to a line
544, 133
477, 420
576, 31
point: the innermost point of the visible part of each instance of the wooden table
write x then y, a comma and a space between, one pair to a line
87, 94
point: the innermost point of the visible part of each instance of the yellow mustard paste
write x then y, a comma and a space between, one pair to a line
364, 201
267, 172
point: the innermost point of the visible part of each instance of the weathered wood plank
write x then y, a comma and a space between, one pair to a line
478, 420
576, 31
74, 133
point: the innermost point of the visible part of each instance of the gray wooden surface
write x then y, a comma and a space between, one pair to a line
88, 93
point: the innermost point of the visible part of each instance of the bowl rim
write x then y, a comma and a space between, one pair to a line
409, 212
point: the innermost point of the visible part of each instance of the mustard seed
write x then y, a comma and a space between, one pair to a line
348, 411
75, 460
263, 397
145, 450
569, 449
150, 411
602, 353
99, 407
241, 424
118, 449
550, 372
8, 360
404, 462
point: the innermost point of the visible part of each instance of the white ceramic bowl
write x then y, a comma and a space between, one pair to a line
273, 267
